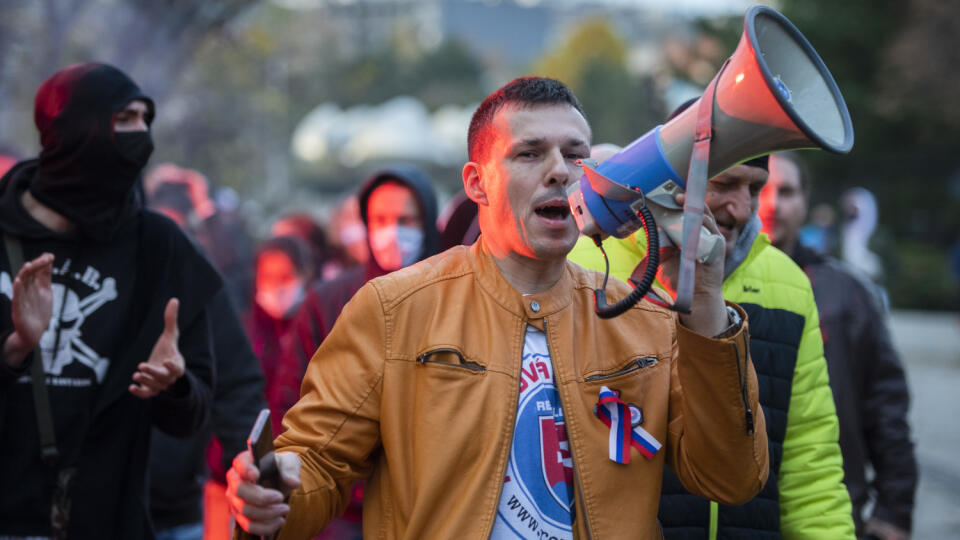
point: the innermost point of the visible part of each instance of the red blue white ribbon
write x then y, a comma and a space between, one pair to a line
615, 414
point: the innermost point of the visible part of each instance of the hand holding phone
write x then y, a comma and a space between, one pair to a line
271, 509
260, 444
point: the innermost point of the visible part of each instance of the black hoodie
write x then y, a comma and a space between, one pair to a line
109, 299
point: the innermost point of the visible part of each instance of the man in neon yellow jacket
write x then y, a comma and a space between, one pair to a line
804, 496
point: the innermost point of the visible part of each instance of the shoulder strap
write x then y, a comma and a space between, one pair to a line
696, 195
41, 399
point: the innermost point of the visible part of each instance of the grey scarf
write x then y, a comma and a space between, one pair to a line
742, 247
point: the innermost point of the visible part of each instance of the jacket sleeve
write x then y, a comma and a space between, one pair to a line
814, 502
886, 401
717, 435
335, 427
238, 394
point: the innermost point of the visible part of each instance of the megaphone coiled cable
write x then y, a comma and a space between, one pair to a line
605, 311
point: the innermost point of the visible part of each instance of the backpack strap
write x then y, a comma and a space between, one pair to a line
41, 398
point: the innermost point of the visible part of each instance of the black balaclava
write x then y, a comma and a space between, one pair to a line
86, 172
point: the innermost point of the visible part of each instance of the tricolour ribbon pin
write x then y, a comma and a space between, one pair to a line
616, 415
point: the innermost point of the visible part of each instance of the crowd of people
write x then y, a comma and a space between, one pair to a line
429, 374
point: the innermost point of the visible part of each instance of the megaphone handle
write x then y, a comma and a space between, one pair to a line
605, 311
696, 193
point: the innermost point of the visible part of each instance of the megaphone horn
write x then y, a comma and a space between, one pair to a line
774, 93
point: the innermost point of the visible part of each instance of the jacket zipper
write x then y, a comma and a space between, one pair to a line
573, 456
472, 366
742, 376
635, 364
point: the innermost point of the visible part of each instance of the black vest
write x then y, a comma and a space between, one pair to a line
774, 341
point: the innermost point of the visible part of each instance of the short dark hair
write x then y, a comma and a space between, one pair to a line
527, 91
802, 170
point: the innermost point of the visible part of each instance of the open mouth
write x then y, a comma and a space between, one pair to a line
554, 210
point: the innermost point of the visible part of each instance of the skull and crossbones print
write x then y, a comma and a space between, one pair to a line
62, 343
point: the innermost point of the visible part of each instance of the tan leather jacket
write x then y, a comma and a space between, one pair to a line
417, 387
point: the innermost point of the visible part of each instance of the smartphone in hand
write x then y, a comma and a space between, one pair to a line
260, 444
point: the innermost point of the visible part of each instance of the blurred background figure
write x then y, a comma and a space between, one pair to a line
187, 476
348, 232
398, 212
819, 234
859, 223
8, 158
458, 222
327, 260
866, 374
398, 209
183, 195
284, 269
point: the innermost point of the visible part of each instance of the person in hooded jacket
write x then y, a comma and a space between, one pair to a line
102, 321
398, 206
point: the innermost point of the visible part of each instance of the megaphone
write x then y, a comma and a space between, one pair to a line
774, 93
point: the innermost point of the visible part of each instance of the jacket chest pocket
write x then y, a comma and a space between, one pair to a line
642, 381
449, 358
635, 365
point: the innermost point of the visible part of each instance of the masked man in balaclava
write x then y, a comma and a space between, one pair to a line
102, 321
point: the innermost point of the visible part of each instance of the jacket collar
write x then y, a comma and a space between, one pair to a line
532, 307
760, 242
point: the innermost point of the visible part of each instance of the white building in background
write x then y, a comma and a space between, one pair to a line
400, 129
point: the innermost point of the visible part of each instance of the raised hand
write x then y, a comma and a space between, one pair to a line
31, 308
165, 364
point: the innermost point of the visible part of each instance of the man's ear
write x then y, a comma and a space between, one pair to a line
473, 183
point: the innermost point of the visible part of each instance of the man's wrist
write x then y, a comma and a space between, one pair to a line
708, 317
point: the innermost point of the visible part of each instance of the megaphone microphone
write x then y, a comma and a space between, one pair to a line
774, 93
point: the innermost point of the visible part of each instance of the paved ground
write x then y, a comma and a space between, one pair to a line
930, 346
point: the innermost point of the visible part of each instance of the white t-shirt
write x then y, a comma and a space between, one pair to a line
537, 496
